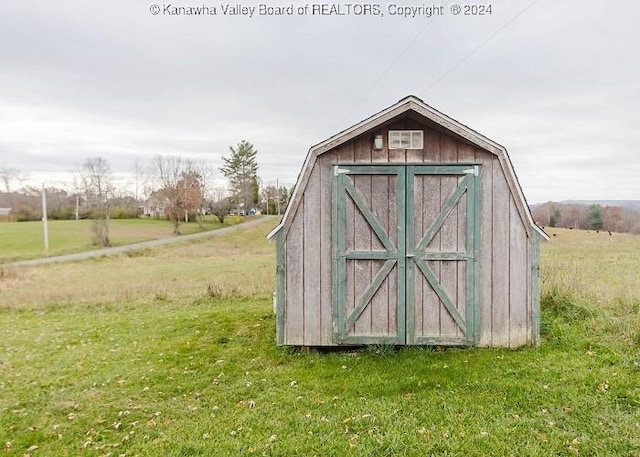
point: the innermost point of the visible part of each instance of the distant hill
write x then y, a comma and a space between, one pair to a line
628, 204
621, 216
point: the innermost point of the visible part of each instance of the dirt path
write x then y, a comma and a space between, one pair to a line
138, 246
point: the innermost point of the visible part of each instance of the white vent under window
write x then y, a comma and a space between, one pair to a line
405, 139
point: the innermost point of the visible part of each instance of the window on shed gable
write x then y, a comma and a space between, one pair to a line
405, 139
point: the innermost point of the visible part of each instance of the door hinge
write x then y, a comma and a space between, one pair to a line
340, 171
475, 171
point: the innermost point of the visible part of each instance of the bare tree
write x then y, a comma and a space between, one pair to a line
8, 176
275, 198
138, 172
167, 171
221, 203
220, 208
270, 199
205, 173
180, 186
96, 182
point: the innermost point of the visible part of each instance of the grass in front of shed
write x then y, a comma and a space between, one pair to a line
200, 375
204, 377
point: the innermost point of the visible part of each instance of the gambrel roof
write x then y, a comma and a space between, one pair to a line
419, 110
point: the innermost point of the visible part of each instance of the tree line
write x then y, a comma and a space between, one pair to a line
168, 187
587, 217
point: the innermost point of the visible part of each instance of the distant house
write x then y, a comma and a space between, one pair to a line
155, 206
5, 214
237, 211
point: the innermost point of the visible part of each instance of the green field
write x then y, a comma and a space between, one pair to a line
25, 240
171, 352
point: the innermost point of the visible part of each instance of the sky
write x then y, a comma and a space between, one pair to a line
557, 82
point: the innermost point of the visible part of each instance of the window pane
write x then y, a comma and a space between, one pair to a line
405, 139
394, 139
416, 139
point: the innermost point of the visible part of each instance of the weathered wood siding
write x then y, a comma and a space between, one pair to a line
307, 246
504, 264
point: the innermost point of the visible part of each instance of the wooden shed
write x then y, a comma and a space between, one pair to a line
408, 228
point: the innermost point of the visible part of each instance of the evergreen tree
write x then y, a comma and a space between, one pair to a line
554, 219
241, 169
594, 217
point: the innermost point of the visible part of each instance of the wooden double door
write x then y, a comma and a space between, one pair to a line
404, 254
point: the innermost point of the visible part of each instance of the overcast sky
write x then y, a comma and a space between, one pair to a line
557, 82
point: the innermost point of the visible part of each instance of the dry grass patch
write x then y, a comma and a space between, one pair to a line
191, 270
598, 265
594, 279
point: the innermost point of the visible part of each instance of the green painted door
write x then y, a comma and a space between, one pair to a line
404, 254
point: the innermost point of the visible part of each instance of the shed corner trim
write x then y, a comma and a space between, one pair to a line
274, 231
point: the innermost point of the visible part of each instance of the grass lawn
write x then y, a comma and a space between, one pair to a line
185, 364
25, 240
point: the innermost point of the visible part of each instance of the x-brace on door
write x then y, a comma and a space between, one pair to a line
404, 254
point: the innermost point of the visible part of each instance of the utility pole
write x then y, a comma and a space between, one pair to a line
278, 195
44, 221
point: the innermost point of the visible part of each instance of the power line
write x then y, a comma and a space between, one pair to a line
397, 59
477, 48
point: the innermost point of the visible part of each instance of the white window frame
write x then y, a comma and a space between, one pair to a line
406, 139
